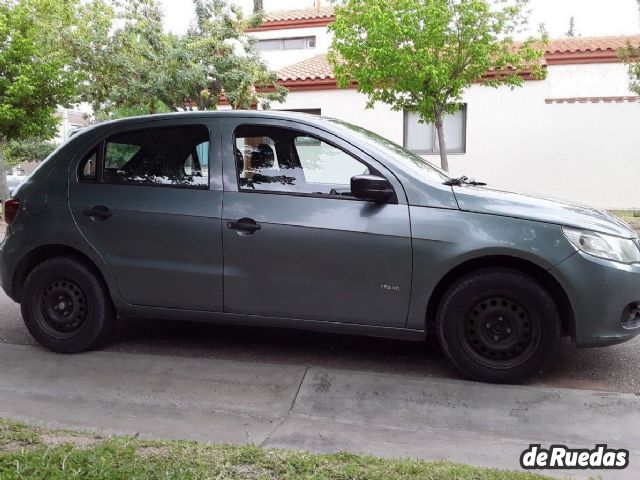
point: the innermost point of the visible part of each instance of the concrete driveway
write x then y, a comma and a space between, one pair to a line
311, 408
318, 392
614, 368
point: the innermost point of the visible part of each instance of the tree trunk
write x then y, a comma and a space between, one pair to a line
442, 144
258, 6
4, 189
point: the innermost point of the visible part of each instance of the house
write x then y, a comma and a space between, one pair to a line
574, 135
70, 120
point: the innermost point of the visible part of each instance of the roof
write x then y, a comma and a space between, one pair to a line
201, 115
315, 72
564, 51
299, 14
590, 44
297, 18
314, 68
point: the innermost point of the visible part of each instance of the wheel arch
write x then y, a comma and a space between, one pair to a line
527, 267
46, 252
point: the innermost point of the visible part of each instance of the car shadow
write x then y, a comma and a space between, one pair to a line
280, 346
611, 369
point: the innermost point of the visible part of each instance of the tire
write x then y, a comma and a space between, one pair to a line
498, 325
66, 306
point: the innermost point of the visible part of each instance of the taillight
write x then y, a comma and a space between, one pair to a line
11, 207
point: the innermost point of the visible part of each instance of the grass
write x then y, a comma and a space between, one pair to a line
28, 452
632, 217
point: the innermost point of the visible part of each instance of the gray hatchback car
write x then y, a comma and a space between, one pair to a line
289, 220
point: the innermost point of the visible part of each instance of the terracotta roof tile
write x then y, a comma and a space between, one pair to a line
314, 68
318, 68
590, 44
298, 14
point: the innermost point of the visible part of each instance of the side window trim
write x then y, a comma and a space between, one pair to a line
96, 150
295, 133
100, 162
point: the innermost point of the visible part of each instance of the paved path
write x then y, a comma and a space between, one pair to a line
314, 408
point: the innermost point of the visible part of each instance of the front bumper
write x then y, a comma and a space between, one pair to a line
600, 292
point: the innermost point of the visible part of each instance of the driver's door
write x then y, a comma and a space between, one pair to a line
296, 244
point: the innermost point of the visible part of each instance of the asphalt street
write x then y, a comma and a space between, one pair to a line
614, 368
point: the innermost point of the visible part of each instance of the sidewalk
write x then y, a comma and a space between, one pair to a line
311, 408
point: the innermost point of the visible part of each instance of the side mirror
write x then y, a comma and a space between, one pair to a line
372, 188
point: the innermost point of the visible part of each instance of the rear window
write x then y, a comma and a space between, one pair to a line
168, 156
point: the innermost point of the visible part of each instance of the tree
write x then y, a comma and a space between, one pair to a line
421, 55
133, 65
35, 77
258, 6
28, 150
631, 56
236, 69
572, 27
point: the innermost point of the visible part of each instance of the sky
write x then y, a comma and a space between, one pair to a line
592, 17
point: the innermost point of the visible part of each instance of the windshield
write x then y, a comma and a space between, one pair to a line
415, 163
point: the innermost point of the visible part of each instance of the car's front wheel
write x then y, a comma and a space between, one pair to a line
498, 325
65, 305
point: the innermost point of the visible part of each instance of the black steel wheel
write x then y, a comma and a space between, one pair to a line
498, 332
498, 325
66, 306
61, 308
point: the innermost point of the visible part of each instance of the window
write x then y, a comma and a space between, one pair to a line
282, 160
294, 43
324, 164
88, 166
159, 156
423, 138
266, 45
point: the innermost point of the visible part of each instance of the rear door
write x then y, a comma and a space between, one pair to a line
296, 244
149, 200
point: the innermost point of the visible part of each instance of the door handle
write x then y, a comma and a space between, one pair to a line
99, 212
247, 225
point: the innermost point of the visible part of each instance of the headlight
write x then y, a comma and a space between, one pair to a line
618, 249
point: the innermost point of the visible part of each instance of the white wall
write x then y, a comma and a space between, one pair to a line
585, 152
349, 106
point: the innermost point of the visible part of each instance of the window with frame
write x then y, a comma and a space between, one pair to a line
165, 156
423, 138
88, 166
291, 43
281, 160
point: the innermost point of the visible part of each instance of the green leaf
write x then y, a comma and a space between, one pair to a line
422, 55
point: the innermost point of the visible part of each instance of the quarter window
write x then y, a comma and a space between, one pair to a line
88, 166
282, 160
423, 138
170, 156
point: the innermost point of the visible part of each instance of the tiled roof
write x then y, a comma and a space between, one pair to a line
590, 44
314, 68
298, 14
559, 51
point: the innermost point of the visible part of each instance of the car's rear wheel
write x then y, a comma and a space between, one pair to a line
66, 306
498, 325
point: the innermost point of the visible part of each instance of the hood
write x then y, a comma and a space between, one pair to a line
529, 207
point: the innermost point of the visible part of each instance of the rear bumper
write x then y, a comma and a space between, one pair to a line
11, 249
600, 292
